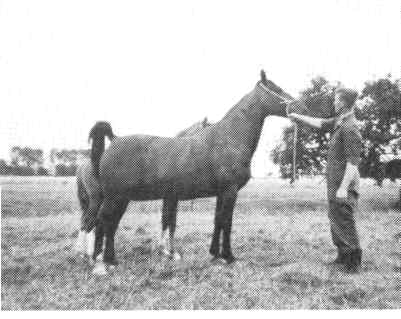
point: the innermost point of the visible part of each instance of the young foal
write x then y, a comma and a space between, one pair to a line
90, 192
213, 162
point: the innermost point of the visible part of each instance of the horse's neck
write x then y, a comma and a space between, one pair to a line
244, 122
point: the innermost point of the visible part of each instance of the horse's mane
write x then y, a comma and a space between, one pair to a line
194, 128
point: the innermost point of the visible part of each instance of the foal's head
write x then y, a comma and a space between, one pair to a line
101, 128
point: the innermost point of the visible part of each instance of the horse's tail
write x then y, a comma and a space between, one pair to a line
98, 133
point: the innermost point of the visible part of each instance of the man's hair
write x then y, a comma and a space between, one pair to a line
349, 96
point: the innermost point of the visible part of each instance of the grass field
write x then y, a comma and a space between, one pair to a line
280, 235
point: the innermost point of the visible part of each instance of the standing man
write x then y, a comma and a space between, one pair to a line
343, 158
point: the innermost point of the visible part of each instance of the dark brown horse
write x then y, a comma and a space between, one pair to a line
90, 193
212, 163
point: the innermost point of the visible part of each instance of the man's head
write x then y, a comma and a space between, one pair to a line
344, 100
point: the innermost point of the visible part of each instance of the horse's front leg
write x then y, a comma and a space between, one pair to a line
215, 245
229, 197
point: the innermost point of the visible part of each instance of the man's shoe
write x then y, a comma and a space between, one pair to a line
353, 261
340, 259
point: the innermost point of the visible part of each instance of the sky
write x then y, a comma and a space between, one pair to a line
156, 67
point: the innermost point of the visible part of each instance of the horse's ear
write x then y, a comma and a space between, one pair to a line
263, 76
204, 122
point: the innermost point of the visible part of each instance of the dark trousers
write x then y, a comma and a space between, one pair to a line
342, 222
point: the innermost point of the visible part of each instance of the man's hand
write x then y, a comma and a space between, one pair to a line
311, 121
293, 116
342, 193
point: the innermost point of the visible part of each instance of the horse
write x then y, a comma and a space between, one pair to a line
214, 162
194, 128
89, 190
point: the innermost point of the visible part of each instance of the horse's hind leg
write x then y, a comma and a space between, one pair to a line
229, 199
169, 220
109, 217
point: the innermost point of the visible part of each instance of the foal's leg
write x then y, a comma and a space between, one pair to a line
89, 219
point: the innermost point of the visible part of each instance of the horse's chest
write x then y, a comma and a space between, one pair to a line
234, 174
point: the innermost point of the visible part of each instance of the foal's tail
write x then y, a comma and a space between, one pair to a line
98, 132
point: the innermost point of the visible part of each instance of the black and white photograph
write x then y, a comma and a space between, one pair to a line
200, 155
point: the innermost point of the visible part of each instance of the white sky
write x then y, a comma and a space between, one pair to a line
156, 67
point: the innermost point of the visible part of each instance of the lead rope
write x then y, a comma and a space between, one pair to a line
294, 149
294, 154
287, 103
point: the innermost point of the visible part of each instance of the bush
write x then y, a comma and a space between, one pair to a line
42, 171
22, 170
66, 170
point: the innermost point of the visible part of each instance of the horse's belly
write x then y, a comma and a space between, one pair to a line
182, 188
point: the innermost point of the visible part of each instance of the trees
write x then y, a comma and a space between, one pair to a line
25, 161
379, 110
26, 156
312, 144
66, 161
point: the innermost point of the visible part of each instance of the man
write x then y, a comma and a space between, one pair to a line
342, 176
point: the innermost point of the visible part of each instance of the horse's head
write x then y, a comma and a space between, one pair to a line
317, 106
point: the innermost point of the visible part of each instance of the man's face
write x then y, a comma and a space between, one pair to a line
338, 103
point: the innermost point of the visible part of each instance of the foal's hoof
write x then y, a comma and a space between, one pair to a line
171, 255
102, 269
99, 269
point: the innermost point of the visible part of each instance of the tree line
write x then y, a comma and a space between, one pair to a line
379, 111
28, 161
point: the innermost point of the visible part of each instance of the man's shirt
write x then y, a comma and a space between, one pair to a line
345, 146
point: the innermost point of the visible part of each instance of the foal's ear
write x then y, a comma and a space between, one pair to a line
263, 76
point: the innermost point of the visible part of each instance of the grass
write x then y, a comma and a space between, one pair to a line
280, 235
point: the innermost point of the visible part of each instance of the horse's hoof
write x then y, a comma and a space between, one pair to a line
229, 259
175, 256
99, 269
166, 252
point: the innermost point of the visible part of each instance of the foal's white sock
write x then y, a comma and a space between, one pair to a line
90, 243
80, 245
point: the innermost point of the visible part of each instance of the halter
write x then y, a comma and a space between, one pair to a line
287, 103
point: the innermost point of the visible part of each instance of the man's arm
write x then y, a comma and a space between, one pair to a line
351, 174
352, 151
311, 121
